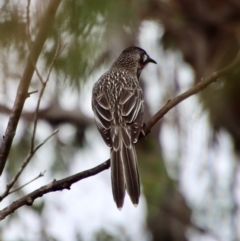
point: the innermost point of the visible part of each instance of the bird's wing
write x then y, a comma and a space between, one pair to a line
103, 116
132, 107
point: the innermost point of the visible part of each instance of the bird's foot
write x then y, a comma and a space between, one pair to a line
142, 131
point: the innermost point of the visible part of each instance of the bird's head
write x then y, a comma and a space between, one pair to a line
133, 59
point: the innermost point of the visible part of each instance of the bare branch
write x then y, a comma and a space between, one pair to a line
25, 163
194, 90
52, 187
32, 92
60, 115
37, 111
57, 53
41, 174
22, 91
49, 137
44, 84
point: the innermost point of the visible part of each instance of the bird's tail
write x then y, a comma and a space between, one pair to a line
124, 167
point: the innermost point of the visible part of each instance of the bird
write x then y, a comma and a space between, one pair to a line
118, 106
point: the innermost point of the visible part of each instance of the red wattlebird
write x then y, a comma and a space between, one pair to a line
118, 107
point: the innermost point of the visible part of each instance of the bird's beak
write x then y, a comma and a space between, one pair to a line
149, 60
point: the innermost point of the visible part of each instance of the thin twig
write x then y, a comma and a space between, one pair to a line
35, 121
32, 92
29, 41
195, 89
58, 51
49, 137
25, 163
41, 174
44, 84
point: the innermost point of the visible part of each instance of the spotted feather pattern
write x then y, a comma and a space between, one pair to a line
118, 106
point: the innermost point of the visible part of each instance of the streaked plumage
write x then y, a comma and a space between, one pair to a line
118, 106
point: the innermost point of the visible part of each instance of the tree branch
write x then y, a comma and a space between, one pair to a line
22, 92
194, 90
52, 187
67, 182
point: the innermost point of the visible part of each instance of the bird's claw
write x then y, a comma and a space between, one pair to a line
142, 130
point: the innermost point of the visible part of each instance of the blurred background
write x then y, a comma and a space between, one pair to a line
189, 164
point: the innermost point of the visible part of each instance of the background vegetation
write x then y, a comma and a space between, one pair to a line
189, 164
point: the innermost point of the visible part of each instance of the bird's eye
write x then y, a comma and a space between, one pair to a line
145, 57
